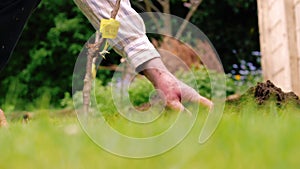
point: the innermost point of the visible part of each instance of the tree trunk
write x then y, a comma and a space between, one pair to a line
93, 50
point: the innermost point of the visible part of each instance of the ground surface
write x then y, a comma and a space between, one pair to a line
255, 132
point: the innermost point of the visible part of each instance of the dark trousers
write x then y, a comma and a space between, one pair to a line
13, 16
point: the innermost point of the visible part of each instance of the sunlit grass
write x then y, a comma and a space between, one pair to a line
249, 136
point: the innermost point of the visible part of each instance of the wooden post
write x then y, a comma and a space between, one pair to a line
280, 42
296, 8
262, 19
290, 14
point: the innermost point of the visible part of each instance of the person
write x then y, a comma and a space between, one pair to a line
132, 42
13, 16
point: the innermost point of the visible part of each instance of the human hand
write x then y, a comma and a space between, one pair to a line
173, 90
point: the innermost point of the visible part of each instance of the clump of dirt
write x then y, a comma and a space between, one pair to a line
264, 91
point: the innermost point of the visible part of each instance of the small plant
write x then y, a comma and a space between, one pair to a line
244, 76
66, 101
139, 91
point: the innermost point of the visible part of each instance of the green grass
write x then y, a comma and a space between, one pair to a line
249, 136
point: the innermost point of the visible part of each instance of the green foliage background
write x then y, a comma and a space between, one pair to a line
44, 58
42, 64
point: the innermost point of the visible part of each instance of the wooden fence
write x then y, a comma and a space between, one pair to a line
279, 26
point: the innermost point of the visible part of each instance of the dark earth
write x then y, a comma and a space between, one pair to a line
264, 91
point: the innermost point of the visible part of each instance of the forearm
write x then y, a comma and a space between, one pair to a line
131, 40
174, 90
154, 70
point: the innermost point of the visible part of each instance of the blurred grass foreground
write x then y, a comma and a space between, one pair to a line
250, 135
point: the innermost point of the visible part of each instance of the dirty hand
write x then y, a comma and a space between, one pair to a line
174, 91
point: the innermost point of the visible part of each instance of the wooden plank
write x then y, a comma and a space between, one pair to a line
280, 80
297, 17
279, 57
275, 36
275, 13
262, 6
270, 3
279, 27
277, 46
292, 45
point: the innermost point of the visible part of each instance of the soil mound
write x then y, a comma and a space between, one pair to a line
265, 91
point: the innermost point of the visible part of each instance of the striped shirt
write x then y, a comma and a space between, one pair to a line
131, 40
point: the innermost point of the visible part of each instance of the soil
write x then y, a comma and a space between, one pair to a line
264, 91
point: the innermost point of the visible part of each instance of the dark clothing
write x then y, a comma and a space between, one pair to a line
13, 16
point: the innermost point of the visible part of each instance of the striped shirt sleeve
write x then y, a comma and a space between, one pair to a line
131, 40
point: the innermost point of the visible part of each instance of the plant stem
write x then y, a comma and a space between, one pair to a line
93, 50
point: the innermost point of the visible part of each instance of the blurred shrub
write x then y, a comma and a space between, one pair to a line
245, 74
139, 91
44, 58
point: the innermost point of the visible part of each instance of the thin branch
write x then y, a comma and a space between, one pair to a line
195, 5
93, 52
114, 12
161, 2
166, 5
149, 5
153, 6
138, 6
167, 30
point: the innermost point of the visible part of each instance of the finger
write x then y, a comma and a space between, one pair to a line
196, 98
175, 105
190, 94
204, 101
